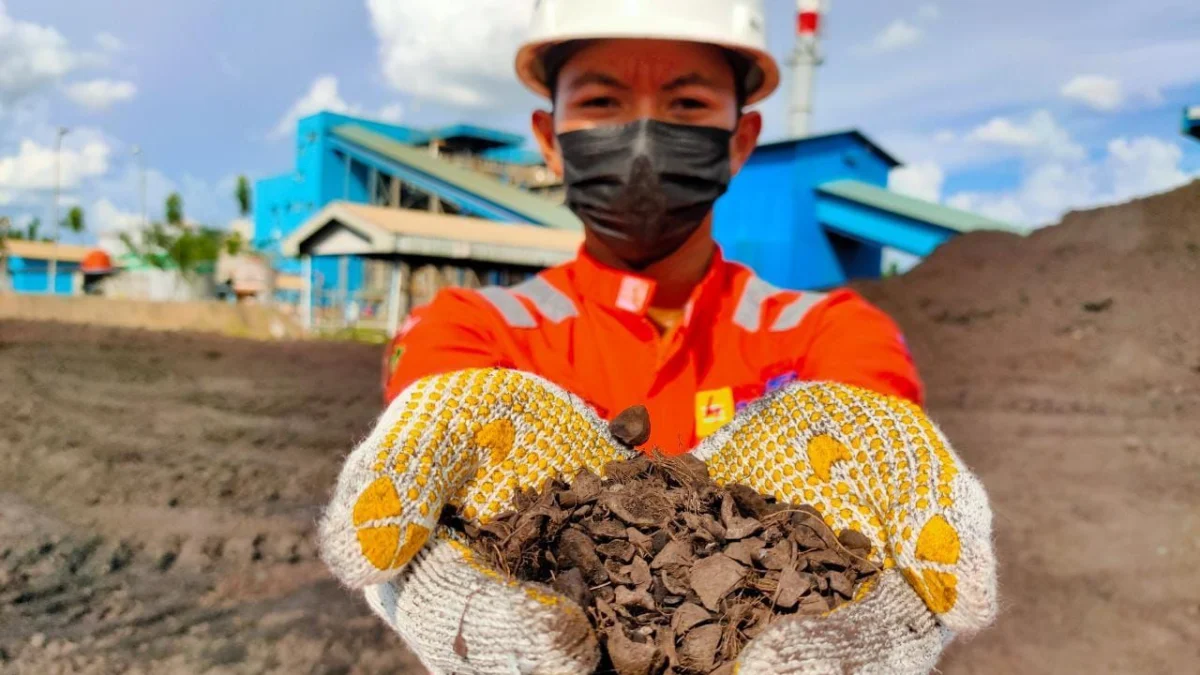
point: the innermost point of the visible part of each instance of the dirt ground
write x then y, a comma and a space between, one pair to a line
158, 491
157, 500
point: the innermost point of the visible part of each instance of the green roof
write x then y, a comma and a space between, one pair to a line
537, 209
135, 261
909, 207
156, 261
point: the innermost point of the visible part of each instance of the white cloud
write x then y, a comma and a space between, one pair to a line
1040, 134
109, 42
1004, 208
123, 188
922, 180
108, 222
1130, 168
1005, 132
1096, 91
209, 203
32, 167
898, 35
1144, 165
1032, 137
929, 12
393, 113
984, 63
100, 94
31, 57
453, 51
116, 203
322, 95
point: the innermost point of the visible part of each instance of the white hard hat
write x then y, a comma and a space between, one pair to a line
736, 25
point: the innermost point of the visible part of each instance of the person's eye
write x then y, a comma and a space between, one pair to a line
689, 104
600, 102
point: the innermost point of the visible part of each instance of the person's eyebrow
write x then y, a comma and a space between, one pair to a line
593, 77
691, 79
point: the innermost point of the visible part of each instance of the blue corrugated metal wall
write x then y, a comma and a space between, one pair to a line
32, 276
282, 203
768, 220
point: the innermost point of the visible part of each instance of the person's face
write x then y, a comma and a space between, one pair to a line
613, 82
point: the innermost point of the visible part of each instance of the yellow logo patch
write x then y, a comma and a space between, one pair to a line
714, 409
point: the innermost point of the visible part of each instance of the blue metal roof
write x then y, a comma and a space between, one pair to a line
848, 134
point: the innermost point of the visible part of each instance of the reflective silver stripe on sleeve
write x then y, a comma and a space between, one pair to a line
748, 314
514, 313
793, 314
551, 302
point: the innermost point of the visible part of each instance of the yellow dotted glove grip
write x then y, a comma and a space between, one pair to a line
878, 465
470, 438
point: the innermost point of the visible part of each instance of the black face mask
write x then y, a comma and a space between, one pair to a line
644, 187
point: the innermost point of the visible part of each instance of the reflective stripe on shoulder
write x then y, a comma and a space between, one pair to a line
748, 314
515, 314
793, 314
551, 302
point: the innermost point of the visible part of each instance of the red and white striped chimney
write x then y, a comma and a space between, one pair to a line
805, 59
808, 17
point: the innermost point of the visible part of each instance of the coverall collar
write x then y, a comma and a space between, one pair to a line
621, 291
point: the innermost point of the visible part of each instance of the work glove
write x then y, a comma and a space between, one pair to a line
874, 464
470, 439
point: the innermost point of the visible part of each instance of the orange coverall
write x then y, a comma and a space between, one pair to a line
584, 326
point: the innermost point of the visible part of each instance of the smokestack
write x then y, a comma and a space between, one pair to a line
805, 59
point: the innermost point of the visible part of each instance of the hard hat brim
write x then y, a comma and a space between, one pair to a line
530, 65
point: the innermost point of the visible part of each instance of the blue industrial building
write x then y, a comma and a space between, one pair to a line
342, 158
27, 267
809, 213
816, 212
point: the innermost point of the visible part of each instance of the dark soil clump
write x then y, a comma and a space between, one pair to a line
676, 573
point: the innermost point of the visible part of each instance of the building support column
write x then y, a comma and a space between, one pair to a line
306, 293
394, 191
393, 299
344, 287
406, 276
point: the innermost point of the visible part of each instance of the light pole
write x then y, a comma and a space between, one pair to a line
53, 271
137, 152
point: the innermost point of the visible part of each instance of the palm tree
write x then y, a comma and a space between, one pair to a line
242, 195
31, 230
174, 209
74, 221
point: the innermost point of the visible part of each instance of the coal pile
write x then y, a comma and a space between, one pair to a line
1104, 301
676, 573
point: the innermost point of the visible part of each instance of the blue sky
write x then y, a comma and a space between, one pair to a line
1021, 109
